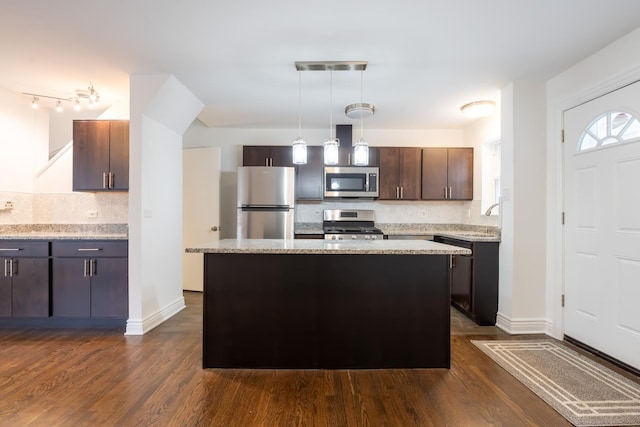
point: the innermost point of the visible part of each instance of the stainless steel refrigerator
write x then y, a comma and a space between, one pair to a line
266, 198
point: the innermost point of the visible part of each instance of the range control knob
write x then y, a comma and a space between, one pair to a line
354, 237
367, 237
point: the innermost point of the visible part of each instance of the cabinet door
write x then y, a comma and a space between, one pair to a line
461, 285
30, 296
119, 154
409, 167
109, 288
281, 155
434, 173
5, 289
460, 173
310, 177
255, 155
71, 288
389, 173
90, 154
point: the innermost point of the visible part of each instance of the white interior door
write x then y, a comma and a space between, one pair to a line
201, 209
602, 225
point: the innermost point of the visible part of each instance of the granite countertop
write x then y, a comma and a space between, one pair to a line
469, 233
302, 246
64, 232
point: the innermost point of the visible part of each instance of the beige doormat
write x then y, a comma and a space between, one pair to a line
581, 390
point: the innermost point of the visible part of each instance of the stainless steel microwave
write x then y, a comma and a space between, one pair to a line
351, 181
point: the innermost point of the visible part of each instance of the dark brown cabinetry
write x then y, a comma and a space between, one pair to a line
344, 133
262, 155
447, 173
90, 279
400, 173
100, 155
474, 280
309, 177
24, 282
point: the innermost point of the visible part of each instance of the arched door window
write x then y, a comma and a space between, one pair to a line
610, 128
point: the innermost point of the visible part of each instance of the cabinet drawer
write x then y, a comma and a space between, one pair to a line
23, 248
89, 248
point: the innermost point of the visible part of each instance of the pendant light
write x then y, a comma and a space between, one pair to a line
299, 145
331, 146
361, 148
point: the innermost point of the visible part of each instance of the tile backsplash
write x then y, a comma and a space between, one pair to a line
65, 208
408, 212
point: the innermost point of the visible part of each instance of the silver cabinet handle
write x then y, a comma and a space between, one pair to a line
104, 180
402, 192
92, 267
215, 228
450, 193
88, 249
10, 267
445, 192
397, 192
110, 179
5, 267
10, 249
86, 273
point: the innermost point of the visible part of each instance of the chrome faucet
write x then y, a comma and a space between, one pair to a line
488, 212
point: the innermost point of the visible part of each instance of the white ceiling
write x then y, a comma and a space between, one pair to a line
426, 57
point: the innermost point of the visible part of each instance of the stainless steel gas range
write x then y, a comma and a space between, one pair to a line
350, 224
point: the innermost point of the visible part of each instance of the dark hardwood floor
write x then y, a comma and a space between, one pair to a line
103, 378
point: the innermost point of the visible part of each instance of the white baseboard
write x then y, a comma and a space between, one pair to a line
521, 326
142, 326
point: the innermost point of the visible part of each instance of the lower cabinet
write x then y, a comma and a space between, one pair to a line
90, 279
474, 279
24, 279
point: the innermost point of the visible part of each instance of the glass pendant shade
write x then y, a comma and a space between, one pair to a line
361, 153
299, 152
331, 152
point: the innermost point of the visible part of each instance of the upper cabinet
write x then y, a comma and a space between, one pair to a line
310, 177
399, 173
447, 173
100, 155
262, 155
344, 133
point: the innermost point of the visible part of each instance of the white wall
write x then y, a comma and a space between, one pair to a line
161, 110
521, 306
23, 136
609, 69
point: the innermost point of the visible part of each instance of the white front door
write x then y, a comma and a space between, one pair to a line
602, 224
201, 209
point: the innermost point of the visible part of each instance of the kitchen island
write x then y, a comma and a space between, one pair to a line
314, 304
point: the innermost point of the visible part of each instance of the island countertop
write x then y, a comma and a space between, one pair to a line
302, 246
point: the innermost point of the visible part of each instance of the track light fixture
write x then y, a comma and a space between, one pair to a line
91, 95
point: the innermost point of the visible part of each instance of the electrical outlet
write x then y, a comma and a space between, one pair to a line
8, 205
92, 214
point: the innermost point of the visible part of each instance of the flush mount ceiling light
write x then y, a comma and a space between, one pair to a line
91, 95
360, 110
478, 109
